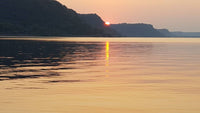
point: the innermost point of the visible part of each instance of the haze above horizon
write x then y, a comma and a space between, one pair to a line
175, 15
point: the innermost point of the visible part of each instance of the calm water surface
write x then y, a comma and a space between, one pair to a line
100, 75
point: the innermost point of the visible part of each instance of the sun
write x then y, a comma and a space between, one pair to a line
107, 23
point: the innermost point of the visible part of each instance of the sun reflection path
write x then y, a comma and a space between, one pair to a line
107, 51
107, 56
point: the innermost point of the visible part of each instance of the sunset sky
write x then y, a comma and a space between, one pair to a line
176, 15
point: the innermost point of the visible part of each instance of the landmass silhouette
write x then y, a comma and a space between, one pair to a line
51, 18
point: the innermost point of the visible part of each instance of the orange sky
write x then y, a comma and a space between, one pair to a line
176, 15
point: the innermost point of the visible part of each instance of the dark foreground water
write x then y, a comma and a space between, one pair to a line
100, 75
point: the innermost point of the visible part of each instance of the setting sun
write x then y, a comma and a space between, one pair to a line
107, 23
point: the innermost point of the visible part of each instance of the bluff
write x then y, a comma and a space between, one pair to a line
43, 18
96, 22
165, 32
136, 30
92, 19
185, 34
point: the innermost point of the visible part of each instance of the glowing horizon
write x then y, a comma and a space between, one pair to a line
176, 15
107, 23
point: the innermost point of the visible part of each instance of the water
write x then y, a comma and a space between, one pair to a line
100, 75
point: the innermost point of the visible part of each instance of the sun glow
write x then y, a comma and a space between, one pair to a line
107, 23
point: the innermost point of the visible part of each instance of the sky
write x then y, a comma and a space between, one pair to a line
175, 15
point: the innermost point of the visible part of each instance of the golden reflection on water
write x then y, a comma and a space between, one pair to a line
107, 56
148, 77
107, 50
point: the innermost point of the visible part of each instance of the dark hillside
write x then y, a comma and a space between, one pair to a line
96, 22
42, 17
136, 30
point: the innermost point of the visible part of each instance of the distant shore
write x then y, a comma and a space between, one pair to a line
93, 37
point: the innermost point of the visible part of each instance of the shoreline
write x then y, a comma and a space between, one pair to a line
108, 39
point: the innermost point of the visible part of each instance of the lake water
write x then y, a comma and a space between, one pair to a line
100, 75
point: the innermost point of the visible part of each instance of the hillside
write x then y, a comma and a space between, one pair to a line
96, 22
136, 30
165, 32
92, 19
186, 34
42, 17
